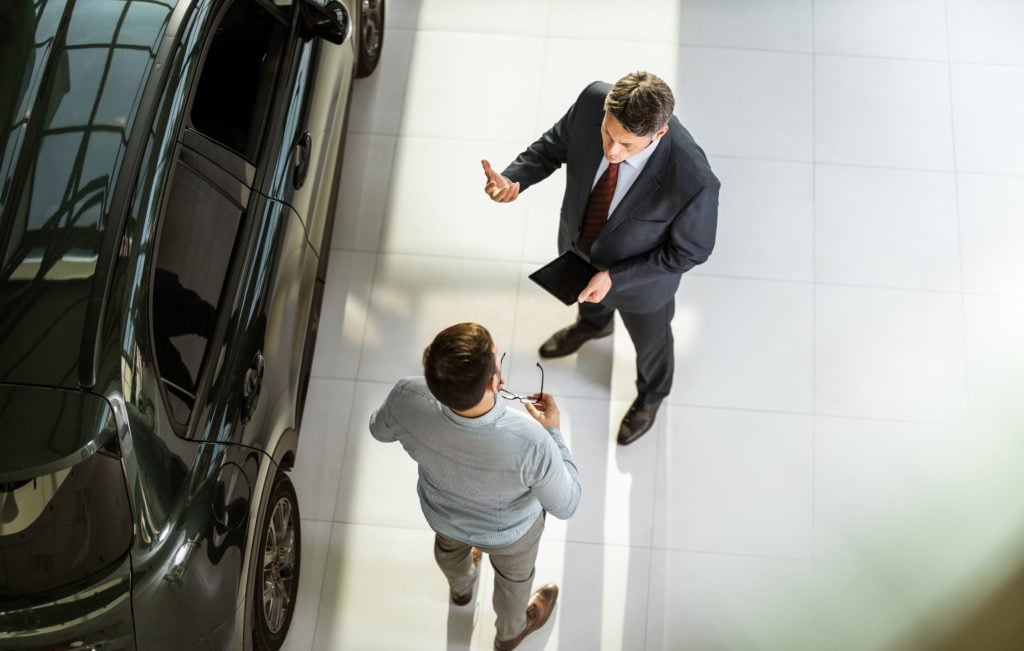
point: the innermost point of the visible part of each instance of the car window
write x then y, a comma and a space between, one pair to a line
236, 85
200, 225
204, 209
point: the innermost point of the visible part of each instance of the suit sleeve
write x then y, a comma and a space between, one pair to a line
544, 156
691, 239
550, 151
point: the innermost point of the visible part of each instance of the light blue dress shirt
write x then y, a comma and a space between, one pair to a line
482, 480
629, 169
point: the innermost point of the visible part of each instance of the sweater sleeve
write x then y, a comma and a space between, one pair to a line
557, 486
383, 426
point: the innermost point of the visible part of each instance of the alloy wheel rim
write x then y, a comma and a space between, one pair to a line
279, 566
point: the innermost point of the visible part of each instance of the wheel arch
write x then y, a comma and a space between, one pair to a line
282, 460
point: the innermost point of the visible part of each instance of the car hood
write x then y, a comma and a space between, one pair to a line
70, 91
43, 430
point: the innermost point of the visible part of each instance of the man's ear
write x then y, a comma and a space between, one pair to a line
661, 132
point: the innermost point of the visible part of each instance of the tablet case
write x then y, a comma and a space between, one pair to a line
565, 276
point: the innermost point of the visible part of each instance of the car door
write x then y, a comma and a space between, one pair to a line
215, 273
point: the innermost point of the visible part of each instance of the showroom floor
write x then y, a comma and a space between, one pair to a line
838, 464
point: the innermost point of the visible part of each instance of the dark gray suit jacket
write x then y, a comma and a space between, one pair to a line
664, 226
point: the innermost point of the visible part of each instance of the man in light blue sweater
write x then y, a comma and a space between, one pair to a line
487, 474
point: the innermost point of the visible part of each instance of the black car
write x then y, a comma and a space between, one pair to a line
168, 175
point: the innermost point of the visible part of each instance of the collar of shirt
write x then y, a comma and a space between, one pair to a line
496, 412
629, 171
636, 163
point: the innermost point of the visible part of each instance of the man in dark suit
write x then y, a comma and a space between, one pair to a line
641, 203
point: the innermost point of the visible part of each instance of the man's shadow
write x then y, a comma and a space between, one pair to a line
460, 623
592, 550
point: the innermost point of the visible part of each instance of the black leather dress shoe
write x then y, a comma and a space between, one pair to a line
568, 340
637, 421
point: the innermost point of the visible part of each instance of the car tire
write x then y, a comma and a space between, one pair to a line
371, 36
277, 572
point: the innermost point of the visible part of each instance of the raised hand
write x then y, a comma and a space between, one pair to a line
498, 187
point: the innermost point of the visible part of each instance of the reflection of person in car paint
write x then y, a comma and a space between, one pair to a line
177, 311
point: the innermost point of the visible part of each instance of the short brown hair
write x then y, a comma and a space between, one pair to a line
642, 102
459, 364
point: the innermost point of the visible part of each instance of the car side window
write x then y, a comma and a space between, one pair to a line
205, 207
200, 226
236, 84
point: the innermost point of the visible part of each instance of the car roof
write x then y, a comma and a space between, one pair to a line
74, 73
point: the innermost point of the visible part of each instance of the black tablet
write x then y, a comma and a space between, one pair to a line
565, 276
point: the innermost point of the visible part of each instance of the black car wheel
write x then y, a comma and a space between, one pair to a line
371, 36
277, 580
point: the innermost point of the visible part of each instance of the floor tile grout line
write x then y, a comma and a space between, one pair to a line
814, 290
400, 135
362, 333
366, 324
323, 587
847, 55
547, 35
873, 419
659, 476
728, 408
614, 545
959, 236
536, 121
334, 506
713, 155
650, 584
695, 274
345, 449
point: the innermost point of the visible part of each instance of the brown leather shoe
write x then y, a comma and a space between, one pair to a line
638, 420
537, 612
569, 339
467, 596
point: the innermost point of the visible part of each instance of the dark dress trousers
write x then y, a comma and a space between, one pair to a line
663, 226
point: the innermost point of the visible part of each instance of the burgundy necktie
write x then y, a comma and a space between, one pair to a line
597, 207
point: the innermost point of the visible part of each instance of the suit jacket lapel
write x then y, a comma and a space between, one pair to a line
645, 185
591, 160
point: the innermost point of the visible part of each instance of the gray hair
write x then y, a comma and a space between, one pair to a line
641, 101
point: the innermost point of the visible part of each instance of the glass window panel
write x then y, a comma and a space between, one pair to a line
235, 85
196, 239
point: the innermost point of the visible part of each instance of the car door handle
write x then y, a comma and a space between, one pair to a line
300, 157
251, 385
254, 377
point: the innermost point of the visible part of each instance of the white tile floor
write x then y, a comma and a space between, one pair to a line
838, 466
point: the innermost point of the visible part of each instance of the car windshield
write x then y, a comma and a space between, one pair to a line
73, 73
